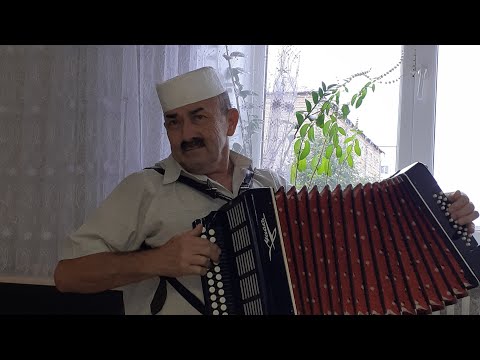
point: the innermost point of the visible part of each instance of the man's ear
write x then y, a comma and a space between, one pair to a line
232, 119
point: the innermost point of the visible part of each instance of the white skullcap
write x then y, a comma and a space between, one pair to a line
189, 88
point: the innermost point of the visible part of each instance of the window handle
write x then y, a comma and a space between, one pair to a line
422, 73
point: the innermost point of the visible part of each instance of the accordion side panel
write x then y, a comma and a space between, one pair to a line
408, 263
298, 249
281, 201
357, 281
432, 281
318, 245
308, 250
342, 253
390, 300
446, 263
399, 281
329, 251
372, 286
417, 224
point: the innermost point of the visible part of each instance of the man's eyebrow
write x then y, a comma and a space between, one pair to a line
193, 112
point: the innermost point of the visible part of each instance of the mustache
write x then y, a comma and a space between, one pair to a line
195, 142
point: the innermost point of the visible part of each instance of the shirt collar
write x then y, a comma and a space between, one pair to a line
173, 169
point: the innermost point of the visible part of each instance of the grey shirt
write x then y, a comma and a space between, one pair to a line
147, 206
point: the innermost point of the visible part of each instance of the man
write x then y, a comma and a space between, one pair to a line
158, 210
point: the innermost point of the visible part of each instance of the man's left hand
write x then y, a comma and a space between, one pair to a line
462, 210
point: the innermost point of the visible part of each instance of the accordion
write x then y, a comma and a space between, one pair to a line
387, 247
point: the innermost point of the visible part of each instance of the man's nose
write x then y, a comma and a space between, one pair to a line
188, 130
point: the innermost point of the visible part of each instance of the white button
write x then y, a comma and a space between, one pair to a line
211, 232
218, 277
203, 229
213, 239
209, 274
223, 307
222, 299
211, 282
216, 312
203, 236
211, 289
213, 297
221, 292
220, 284
225, 313
217, 269
214, 305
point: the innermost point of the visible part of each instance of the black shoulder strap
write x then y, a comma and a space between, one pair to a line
160, 295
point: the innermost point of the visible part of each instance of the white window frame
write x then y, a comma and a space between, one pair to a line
417, 106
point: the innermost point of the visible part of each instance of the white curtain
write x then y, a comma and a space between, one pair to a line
74, 121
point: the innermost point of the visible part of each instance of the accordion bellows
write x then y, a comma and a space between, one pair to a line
382, 248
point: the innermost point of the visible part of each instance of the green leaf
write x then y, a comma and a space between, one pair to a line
326, 127
306, 150
311, 133
320, 120
350, 161
334, 118
337, 97
324, 165
329, 151
324, 87
368, 84
309, 105
349, 149
338, 151
348, 139
333, 130
359, 102
296, 146
342, 159
320, 93
315, 97
330, 86
314, 162
300, 118
335, 140
302, 165
373, 87
320, 169
329, 168
303, 129
327, 108
354, 97
342, 131
345, 111
358, 151
293, 171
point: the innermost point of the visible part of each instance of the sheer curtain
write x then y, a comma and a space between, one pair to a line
74, 121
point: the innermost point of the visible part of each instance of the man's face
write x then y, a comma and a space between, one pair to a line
198, 134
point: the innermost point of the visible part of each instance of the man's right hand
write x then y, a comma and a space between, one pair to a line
186, 254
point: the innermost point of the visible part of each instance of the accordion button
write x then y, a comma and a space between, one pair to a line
218, 277
213, 239
223, 307
220, 284
213, 297
203, 236
209, 274
222, 300
216, 312
217, 269
211, 282
214, 305
221, 292
211, 232
211, 289
204, 230
225, 313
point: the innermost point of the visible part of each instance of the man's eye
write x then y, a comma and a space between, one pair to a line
172, 122
199, 117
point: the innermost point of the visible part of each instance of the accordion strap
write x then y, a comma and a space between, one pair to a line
208, 187
160, 295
